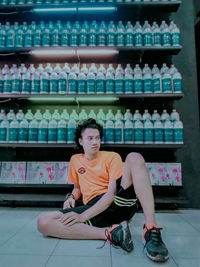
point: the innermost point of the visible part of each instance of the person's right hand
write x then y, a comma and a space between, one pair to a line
69, 203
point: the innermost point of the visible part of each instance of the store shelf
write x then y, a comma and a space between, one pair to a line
165, 6
33, 186
44, 145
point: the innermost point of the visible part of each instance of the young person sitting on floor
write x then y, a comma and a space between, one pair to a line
109, 194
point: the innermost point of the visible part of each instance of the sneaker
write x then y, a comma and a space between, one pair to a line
153, 244
120, 235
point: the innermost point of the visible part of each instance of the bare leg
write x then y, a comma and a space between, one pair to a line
135, 172
49, 225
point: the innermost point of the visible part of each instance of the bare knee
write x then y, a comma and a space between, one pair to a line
43, 224
135, 159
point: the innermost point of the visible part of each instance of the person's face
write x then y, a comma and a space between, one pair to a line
90, 141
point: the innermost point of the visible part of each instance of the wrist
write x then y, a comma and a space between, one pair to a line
69, 195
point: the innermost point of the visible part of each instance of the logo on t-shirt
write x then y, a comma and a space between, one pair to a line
81, 170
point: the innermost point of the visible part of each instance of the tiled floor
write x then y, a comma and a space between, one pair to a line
21, 245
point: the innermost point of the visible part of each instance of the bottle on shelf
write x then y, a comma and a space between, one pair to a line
43, 131
158, 132
138, 132
146, 115
168, 132
47, 115
62, 83
109, 132
52, 131
119, 131
62, 131
71, 126
19, 115
148, 132
4, 125
177, 82
128, 132
29, 115
92, 115
13, 131
23, 131
11, 116
174, 116
64, 115
164, 116
178, 132
155, 116
137, 116
101, 115
82, 115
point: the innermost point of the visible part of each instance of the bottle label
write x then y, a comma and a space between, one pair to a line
109, 137
158, 133
64, 39
53, 86
62, 85
42, 135
148, 135
148, 39
176, 39
70, 134
55, 41
19, 40
111, 39
119, 86
1, 86
178, 135
118, 135
157, 39
7, 86
81, 86
16, 86
72, 86
100, 84
169, 135
13, 135
52, 134
110, 86
37, 39
147, 86
23, 134
28, 40
128, 135
46, 39
32, 134
2, 40
177, 83
3, 134
138, 135
35, 86
92, 39
83, 39
128, 86
10, 40
138, 86
156, 85
73, 39
166, 85
138, 39
44, 86
129, 39
101, 39
120, 39
166, 39
62, 135
90, 86
26, 86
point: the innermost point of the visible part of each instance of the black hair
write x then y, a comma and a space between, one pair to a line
89, 123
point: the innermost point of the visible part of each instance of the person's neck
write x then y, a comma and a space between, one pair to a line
92, 156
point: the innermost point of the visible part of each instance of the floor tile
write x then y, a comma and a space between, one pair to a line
73, 261
82, 248
192, 217
187, 262
23, 261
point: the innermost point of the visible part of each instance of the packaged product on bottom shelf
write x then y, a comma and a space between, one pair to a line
13, 172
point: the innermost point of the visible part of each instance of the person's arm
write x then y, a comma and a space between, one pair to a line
71, 199
102, 204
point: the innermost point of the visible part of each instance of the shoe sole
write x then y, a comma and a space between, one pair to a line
128, 242
157, 257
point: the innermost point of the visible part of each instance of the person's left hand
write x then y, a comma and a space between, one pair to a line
71, 218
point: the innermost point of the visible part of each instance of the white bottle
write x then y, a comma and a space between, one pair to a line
64, 115
157, 83
43, 131
23, 131
164, 116
146, 115
31, 69
172, 70
128, 69
102, 69
82, 115
119, 132
56, 115
4, 125
73, 115
92, 115
38, 115
66, 68
174, 116
2, 115
57, 68
49, 68
167, 83
28, 115
177, 82
109, 133
13, 131
119, 115
14, 69
158, 132
128, 115
168, 132
138, 132
119, 69
110, 115
52, 131
71, 126
22, 69
164, 69
101, 115
62, 132
93, 68
75, 69
137, 116
178, 132
33, 131
5, 70
146, 69
84, 69
110, 69
20, 115
155, 116
128, 132
137, 69
10, 116
155, 69
40, 69
148, 132
47, 115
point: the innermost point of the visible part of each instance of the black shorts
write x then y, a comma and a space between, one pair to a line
123, 207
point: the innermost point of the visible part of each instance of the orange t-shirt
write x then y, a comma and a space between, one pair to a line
93, 175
